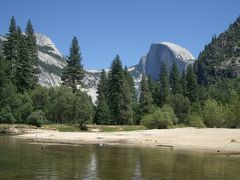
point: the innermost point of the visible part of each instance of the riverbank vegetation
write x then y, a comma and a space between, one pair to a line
176, 99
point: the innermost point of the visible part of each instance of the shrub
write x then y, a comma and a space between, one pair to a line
194, 120
233, 115
6, 116
214, 114
180, 104
36, 118
160, 118
61, 108
82, 108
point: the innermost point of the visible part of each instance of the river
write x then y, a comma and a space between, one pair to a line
22, 160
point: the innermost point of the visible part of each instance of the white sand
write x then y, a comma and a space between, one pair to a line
211, 140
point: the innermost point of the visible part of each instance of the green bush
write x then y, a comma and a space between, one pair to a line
194, 120
233, 115
180, 104
6, 116
82, 108
214, 114
36, 118
160, 119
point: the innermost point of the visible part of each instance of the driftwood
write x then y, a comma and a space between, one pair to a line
165, 146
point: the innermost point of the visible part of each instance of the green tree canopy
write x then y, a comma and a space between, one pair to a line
73, 73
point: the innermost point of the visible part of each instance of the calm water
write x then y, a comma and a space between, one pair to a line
20, 160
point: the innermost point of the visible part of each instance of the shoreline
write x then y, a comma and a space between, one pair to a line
211, 140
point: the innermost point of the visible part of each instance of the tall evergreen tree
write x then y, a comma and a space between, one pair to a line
164, 85
184, 83
73, 73
119, 94
154, 89
10, 48
33, 53
192, 86
23, 79
145, 100
175, 80
102, 115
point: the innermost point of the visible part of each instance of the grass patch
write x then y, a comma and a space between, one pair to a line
63, 127
75, 127
101, 128
116, 128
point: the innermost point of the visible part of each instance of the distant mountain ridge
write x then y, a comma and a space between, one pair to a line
51, 61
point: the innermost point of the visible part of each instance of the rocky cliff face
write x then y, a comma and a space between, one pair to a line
167, 53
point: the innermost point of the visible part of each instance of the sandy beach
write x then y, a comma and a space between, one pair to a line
191, 139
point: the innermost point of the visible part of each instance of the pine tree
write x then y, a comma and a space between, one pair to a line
102, 115
145, 100
10, 48
154, 89
164, 85
119, 94
23, 78
175, 80
73, 73
33, 53
184, 83
192, 86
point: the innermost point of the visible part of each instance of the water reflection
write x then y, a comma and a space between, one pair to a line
91, 171
138, 172
19, 160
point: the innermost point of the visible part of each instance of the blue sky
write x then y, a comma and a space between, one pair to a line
126, 27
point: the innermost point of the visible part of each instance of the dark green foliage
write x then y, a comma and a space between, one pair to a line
145, 100
73, 73
181, 106
194, 120
10, 101
61, 109
233, 116
36, 118
192, 86
40, 99
164, 85
214, 113
21, 56
120, 97
51, 68
26, 107
6, 115
154, 90
24, 68
102, 115
82, 108
3, 73
33, 53
11, 49
184, 83
129, 81
161, 118
175, 81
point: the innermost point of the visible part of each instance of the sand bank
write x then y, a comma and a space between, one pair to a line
210, 140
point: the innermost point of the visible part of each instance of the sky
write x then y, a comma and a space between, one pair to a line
105, 28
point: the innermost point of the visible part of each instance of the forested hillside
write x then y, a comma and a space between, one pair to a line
221, 57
